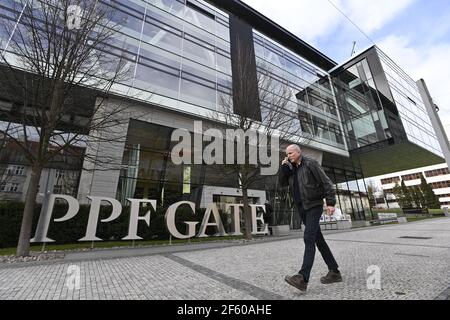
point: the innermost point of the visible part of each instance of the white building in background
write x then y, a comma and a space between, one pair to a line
437, 175
60, 176
15, 179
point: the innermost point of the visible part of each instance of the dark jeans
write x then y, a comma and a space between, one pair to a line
313, 236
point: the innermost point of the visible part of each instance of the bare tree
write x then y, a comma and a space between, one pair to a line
57, 50
275, 118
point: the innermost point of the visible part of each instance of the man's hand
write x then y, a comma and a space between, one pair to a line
330, 210
285, 161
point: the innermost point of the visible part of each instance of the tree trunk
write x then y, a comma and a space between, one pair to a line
23, 247
247, 215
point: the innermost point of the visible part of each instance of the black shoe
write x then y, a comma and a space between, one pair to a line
331, 277
297, 281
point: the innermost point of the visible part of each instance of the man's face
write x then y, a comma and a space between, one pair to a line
293, 154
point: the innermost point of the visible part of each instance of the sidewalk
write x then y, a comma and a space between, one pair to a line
111, 253
247, 270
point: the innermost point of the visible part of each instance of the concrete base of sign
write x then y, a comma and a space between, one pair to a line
278, 231
344, 224
402, 220
362, 223
336, 225
328, 225
446, 212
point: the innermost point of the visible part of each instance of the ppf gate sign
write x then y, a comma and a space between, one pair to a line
91, 229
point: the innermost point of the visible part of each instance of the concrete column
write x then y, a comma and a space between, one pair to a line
435, 121
101, 178
103, 160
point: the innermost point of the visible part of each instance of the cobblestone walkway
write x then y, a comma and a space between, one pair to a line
409, 268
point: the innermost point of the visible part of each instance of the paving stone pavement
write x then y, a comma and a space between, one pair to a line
408, 268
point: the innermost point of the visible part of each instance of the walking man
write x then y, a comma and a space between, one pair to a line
309, 186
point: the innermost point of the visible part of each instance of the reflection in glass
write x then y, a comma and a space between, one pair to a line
198, 19
129, 24
157, 78
198, 52
128, 184
163, 37
197, 91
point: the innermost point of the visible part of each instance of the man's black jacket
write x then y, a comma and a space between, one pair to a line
314, 184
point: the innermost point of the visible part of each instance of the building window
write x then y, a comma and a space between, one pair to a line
60, 174
390, 180
413, 176
158, 77
57, 189
437, 172
18, 171
3, 186
15, 171
163, 36
5, 105
440, 185
13, 187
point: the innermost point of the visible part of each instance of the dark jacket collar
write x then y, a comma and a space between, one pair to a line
299, 161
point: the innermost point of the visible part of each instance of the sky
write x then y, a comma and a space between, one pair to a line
414, 33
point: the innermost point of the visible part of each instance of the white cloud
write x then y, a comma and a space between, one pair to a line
373, 15
307, 19
310, 19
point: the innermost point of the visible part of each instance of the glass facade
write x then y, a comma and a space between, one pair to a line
351, 191
175, 49
361, 108
311, 100
365, 109
148, 172
180, 51
410, 105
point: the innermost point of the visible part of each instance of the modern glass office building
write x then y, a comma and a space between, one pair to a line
362, 118
384, 114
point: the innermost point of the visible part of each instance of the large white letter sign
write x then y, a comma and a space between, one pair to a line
134, 217
260, 218
94, 213
170, 221
44, 221
217, 222
236, 218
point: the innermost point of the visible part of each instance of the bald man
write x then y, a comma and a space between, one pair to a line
309, 185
